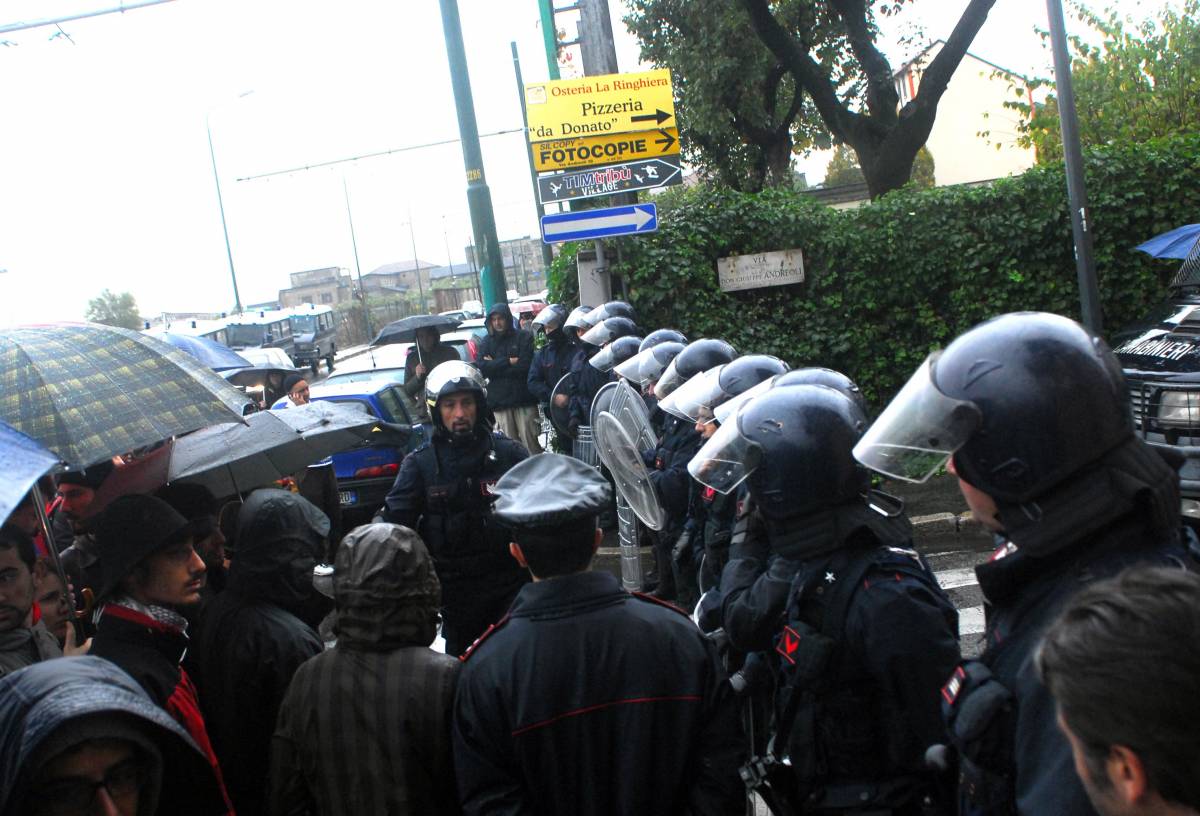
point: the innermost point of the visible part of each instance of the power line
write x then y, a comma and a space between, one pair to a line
373, 155
21, 25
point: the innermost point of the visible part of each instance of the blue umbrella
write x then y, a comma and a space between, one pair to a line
208, 351
23, 462
1177, 243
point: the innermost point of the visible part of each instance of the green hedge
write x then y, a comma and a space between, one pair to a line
889, 282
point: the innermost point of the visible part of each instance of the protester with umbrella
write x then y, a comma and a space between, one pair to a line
424, 332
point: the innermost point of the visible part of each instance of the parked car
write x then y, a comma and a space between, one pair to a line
365, 473
456, 314
314, 335
467, 337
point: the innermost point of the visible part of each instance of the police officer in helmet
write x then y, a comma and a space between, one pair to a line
443, 492
858, 632
1033, 411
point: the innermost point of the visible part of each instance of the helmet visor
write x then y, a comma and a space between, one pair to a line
668, 382
599, 335
605, 358
548, 320
725, 460
918, 430
702, 391
631, 369
577, 319
451, 376
723, 412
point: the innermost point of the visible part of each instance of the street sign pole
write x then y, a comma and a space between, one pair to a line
1085, 266
547, 252
479, 197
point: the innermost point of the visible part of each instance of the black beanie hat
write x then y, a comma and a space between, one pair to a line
131, 529
92, 476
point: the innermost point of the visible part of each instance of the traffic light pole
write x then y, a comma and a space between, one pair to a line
479, 197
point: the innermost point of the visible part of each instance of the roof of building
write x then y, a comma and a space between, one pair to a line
397, 267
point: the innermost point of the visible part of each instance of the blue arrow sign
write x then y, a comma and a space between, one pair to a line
580, 226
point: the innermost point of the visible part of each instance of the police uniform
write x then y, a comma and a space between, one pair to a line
442, 492
587, 699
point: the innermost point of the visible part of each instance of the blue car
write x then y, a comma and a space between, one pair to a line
365, 474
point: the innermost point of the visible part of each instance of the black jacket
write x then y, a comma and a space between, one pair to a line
251, 639
586, 382
550, 364
365, 726
441, 492
507, 382
876, 704
590, 700
668, 468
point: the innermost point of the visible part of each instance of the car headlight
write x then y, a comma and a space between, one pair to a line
1179, 409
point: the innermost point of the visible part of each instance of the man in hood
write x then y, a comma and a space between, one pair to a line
80, 736
24, 639
149, 574
505, 357
254, 635
331, 738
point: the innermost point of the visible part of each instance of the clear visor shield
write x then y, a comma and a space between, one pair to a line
598, 335
631, 369
725, 460
918, 430
668, 382
724, 412
548, 320
602, 359
577, 318
700, 392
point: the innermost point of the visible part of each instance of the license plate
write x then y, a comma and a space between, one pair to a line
347, 497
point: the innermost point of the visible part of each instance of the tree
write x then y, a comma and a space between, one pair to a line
850, 81
741, 114
843, 168
1141, 82
114, 309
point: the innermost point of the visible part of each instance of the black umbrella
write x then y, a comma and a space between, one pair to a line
404, 330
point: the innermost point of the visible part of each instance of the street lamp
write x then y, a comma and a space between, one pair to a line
237, 299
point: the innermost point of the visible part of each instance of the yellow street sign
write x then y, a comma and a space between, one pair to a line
590, 106
590, 151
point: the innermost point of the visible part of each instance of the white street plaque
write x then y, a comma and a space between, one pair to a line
764, 269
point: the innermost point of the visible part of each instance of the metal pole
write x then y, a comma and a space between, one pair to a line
547, 253
549, 36
1085, 266
124, 7
417, 263
479, 197
237, 299
362, 292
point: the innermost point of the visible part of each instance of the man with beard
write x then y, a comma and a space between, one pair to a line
426, 354
443, 492
150, 572
23, 641
254, 635
70, 521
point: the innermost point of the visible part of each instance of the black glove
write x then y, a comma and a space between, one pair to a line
573, 427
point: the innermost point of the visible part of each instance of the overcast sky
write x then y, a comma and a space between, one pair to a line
105, 175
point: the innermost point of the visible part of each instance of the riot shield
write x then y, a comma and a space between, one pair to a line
620, 452
560, 415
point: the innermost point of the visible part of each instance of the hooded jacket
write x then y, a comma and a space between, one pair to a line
507, 382
251, 639
365, 727
48, 707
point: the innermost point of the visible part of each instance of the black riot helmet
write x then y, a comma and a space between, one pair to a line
1022, 402
662, 336
649, 364
608, 330
696, 399
793, 447
615, 353
577, 320
614, 308
695, 358
814, 375
550, 319
453, 377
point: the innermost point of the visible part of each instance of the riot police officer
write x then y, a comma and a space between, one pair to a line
857, 629
553, 360
589, 378
1033, 410
443, 492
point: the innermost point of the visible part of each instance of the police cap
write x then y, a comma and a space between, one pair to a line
549, 490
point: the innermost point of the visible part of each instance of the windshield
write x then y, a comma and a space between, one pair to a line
247, 334
304, 324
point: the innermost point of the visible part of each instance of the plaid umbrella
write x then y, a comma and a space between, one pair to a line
88, 392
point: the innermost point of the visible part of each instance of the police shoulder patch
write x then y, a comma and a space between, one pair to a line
486, 634
660, 602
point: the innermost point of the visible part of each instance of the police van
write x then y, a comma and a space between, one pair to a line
314, 335
1161, 359
262, 328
